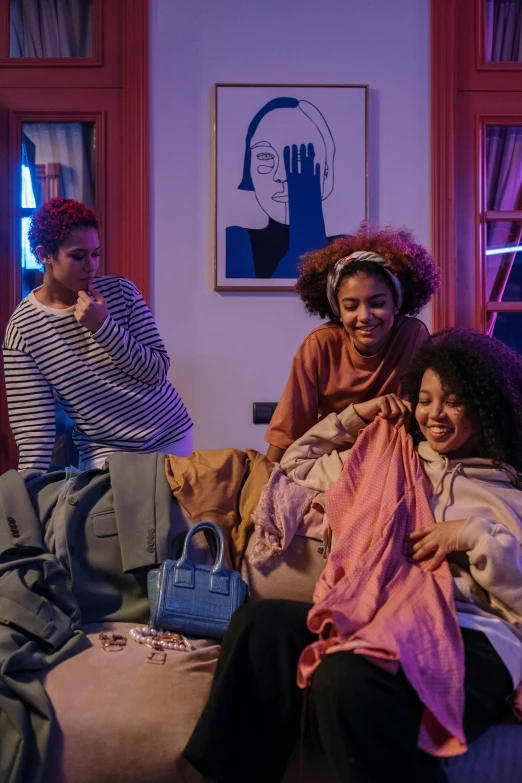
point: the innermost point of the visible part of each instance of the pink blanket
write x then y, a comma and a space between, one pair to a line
371, 600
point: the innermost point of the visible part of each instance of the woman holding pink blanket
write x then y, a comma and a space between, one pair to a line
368, 707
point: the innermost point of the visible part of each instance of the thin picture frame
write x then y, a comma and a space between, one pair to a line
276, 199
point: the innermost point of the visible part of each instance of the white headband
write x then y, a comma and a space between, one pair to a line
361, 255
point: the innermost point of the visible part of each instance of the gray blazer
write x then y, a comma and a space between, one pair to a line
107, 527
39, 627
72, 547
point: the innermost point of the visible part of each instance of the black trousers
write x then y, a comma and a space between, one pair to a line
365, 719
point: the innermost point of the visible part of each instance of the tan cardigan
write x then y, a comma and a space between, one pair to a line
489, 498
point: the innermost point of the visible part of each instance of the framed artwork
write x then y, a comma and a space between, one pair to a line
291, 168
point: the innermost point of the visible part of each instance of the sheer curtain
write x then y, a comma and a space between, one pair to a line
50, 28
504, 192
503, 30
71, 145
64, 151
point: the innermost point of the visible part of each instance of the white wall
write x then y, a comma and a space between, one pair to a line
229, 350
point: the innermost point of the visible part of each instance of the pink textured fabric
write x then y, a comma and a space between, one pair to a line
371, 600
277, 516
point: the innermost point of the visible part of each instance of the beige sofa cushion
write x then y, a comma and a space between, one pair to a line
291, 575
123, 719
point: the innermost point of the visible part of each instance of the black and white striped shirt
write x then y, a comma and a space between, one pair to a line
113, 384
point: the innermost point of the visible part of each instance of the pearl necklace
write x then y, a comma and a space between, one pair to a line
158, 639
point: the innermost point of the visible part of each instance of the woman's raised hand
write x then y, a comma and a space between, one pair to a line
91, 310
389, 406
305, 207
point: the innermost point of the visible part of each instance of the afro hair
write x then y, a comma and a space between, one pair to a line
407, 260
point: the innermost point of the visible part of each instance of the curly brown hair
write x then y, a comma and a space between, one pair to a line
486, 378
408, 261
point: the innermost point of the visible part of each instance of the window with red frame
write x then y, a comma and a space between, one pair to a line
477, 164
73, 108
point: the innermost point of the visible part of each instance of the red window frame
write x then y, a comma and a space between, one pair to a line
467, 93
111, 88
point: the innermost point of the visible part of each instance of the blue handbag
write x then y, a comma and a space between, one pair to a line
196, 600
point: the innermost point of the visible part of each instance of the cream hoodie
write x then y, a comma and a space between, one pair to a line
490, 499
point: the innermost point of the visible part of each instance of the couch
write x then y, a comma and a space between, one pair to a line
119, 717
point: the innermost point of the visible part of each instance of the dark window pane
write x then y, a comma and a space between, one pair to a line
504, 261
50, 28
503, 28
504, 167
508, 328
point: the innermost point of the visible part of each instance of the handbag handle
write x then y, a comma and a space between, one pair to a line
184, 571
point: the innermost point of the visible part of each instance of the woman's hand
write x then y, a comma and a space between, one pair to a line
305, 207
303, 177
389, 406
91, 311
440, 539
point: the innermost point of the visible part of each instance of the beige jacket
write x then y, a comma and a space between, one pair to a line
489, 498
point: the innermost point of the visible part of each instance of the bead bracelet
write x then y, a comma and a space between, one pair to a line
158, 639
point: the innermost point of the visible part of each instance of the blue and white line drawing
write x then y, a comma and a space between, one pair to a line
291, 176
289, 164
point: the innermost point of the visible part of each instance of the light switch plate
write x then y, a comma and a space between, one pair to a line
263, 412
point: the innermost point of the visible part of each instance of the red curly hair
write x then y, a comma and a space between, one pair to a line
408, 261
51, 224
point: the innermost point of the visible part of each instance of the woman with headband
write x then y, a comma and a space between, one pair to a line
369, 285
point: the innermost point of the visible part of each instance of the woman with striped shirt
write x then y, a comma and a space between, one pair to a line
94, 342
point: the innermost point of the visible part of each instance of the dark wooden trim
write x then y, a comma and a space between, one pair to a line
135, 263
4, 30
480, 224
8, 449
480, 33
442, 156
492, 215
504, 307
10, 287
505, 65
14, 176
